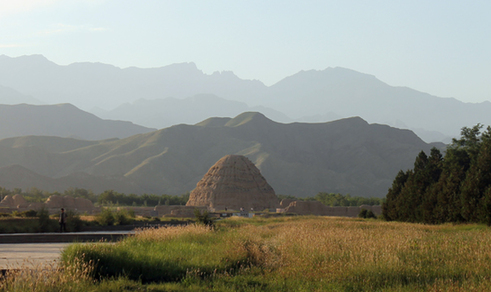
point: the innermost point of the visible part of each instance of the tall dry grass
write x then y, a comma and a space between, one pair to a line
361, 255
289, 254
48, 277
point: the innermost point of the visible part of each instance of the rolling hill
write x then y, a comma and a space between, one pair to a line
345, 156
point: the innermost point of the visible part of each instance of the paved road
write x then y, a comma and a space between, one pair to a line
32, 249
14, 256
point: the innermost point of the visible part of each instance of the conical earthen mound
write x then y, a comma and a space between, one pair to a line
234, 182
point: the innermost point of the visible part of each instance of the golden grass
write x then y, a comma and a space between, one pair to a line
374, 254
169, 233
319, 254
49, 277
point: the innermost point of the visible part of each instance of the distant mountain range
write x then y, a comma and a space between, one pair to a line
162, 113
181, 93
62, 120
88, 85
11, 96
345, 156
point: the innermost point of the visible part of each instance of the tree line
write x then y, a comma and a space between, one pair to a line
335, 199
111, 197
451, 188
108, 197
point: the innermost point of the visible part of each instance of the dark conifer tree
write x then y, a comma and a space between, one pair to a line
390, 209
454, 188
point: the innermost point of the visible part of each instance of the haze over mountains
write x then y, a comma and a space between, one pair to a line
180, 93
50, 143
345, 156
62, 120
10, 96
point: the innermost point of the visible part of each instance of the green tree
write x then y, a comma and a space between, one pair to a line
453, 188
390, 208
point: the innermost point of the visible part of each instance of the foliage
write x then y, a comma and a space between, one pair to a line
333, 199
73, 221
28, 213
325, 254
25, 214
367, 214
203, 218
22, 225
111, 197
105, 217
109, 217
108, 197
453, 188
124, 217
45, 223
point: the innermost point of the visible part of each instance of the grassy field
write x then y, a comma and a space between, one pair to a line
277, 254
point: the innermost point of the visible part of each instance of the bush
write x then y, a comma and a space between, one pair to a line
45, 224
29, 213
106, 217
370, 214
124, 217
363, 213
204, 218
73, 221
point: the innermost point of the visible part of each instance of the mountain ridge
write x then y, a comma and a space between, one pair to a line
63, 120
313, 95
345, 156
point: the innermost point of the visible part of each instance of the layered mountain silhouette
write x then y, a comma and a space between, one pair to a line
345, 156
139, 95
346, 93
87, 85
11, 96
162, 113
62, 120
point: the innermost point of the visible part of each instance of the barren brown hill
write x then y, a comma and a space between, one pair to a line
347, 156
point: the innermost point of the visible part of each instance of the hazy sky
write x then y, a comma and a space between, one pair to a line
442, 47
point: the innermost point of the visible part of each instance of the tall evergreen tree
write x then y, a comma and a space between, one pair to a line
454, 188
390, 208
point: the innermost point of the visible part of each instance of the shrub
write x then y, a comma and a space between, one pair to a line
363, 213
29, 213
370, 214
124, 217
73, 221
204, 218
45, 224
106, 217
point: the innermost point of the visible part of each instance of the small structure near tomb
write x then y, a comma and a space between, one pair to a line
67, 202
16, 201
7, 202
232, 183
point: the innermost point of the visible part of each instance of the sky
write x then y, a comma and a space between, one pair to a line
442, 47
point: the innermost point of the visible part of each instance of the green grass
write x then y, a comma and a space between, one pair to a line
138, 258
25, 225
285, 254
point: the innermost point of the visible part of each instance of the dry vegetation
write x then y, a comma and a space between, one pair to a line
286, 254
